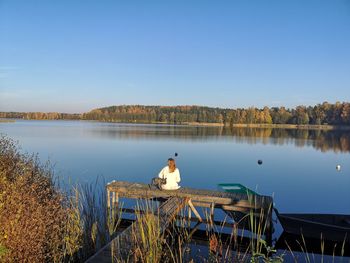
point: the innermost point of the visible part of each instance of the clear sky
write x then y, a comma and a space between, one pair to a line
72, 56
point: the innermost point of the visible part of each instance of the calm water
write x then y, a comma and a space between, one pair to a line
298, 166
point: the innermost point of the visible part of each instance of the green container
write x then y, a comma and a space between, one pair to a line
237, 188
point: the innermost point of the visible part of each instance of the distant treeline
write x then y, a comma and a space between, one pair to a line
41, 115
321, 114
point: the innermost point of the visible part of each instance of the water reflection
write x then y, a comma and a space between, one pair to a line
322, 140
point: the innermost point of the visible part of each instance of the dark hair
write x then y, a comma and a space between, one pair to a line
170, 159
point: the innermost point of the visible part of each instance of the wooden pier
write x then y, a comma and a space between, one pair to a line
240, 206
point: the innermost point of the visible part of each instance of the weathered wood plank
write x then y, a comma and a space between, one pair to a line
137, 190
224, 222
194, 211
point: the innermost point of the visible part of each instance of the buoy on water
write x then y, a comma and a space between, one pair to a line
176, 154
260, 162
338, 167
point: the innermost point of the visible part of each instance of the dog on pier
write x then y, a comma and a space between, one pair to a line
157, 183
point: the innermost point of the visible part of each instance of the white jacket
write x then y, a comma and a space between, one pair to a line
172, 179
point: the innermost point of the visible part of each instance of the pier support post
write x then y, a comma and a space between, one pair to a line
194, 210
269, 227
115, 199
108, 199
212, 207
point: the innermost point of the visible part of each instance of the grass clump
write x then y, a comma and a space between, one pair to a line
147, 236
98, 223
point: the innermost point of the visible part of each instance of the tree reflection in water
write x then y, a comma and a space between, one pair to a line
322, 140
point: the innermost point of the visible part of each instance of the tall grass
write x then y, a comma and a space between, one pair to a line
258, 224
175, 245
147, 235
307, 254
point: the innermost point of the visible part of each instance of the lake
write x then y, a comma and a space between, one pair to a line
298, 169
298, 166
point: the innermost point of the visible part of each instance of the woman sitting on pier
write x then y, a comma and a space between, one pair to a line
171, 174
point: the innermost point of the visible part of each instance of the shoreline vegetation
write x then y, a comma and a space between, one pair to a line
40, 222
321, 116
273, 126
7, 120
207, 124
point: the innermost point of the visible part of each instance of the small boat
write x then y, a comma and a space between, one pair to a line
236, 188
239, 217
332, 227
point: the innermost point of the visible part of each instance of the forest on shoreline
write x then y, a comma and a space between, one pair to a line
337, 114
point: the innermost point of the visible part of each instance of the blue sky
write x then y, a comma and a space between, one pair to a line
72, 56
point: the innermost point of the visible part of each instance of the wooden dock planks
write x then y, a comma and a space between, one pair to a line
259, 206
228, 201
120, 248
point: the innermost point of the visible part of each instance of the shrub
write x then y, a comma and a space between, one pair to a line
34, 214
